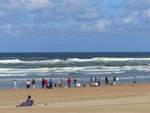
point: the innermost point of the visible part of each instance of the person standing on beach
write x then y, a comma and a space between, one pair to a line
15, 85
95, 79
99, 81
43, 83
69, 82
114, 80
134, 81
33, 83
50, 83
62, 82
75, 82
46, 83
28, 84
106, 80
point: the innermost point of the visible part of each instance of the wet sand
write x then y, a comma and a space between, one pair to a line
104, 99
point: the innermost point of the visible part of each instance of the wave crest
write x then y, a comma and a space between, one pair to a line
72, 60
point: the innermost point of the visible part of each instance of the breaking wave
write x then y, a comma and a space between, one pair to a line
81, 70
72, 60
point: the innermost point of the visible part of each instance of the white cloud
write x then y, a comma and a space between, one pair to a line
132, 17
28, 5
99, 25
89, 14
85, 14
35, 4
74, 2
102, 24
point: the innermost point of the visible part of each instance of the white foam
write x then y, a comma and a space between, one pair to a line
72, 60
13, 61
84, 70
18, 61
107, 59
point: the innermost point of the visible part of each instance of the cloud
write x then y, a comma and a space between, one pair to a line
98, 25
131, 18
28, 5
138, 7
60, 14
138, 4
132, 15
32, 16
89, 14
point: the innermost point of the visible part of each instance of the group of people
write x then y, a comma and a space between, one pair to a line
70, 82
96, 81
61, 83
114, 81
50, 83
45, 83
29, 84
67, 83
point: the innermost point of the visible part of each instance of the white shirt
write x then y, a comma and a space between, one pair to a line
15, 83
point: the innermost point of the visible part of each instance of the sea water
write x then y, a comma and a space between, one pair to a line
81, 65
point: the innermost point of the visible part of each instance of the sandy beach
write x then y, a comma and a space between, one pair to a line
104, 99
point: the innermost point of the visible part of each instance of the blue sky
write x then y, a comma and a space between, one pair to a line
74, 25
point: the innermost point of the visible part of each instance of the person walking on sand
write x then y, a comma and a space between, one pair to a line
15, 85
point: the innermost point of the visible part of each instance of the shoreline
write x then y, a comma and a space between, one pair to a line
82, 87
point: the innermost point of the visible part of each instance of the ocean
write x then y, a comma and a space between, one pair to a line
126, 65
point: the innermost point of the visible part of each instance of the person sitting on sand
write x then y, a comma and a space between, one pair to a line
28, 102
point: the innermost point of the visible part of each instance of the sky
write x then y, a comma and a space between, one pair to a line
74, 25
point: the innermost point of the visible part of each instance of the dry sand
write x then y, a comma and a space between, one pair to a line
105, 99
